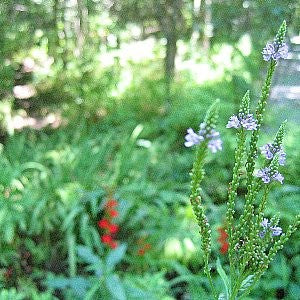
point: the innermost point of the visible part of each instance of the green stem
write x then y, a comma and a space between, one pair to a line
232, 195
207, 272
250, 165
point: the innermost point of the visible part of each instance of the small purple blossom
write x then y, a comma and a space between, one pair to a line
262, 234
192, 138
205, 133
276, 230
265, 223
281, 157
233, 122
246, 121
278, 176
269, 150
267, 175
275, 51
215, 145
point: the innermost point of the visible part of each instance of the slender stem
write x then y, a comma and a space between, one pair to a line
195, 198
232, 196
250, 165
207, 272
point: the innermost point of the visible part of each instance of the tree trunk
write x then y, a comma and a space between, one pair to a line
54, 40
196, 23
171, 50
80, 27
169, 17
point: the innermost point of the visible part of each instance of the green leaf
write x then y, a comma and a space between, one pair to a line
95, 263
221, 296
79, 285
57, 282
9, 233
224, 278
115, 256
87, 255
246, 283
115, 287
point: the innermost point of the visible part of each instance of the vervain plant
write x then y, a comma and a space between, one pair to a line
253, 239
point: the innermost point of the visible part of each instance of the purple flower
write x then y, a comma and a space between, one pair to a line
276, 230
264, 175
205, 133
262, 234
246, 121
281, 157
214, 145
233, 122
265, 223
278, 176
267, 175
192, 138
269, 150
275, 51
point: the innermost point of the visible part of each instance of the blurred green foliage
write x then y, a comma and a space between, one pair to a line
120, 134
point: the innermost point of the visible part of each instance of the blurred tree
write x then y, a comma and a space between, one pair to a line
163, 18
232, 19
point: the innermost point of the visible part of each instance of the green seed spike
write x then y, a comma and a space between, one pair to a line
281, 33
212, 114
280, 135
245, 105
274, 163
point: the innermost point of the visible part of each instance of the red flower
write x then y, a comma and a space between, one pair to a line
223, 240
113, 244
147, 246
111, 203
113, 228
113, 213
104, 223
106, 239
8, 273
223, 235
224, 248
141, 251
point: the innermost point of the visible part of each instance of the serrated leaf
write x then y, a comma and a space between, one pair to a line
115, 256
224, 278
115, 287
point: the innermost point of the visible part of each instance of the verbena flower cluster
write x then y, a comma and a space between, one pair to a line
242, 120
204, 134
275, 51
269, 150
249, 256
267, 175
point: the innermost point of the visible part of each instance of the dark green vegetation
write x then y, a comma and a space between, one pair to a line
124, 111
